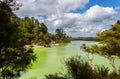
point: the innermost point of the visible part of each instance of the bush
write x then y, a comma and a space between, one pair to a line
54, 76
78, 68
103, 71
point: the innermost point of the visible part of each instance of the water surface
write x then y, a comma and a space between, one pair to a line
51, 60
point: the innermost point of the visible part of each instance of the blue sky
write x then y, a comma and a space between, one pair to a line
78, 18
105, 3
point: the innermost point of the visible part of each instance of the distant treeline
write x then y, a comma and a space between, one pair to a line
85, 38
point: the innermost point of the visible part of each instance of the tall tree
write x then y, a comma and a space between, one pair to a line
61, 36
43, 28
14, 58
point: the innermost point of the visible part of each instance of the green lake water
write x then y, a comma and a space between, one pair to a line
51, 60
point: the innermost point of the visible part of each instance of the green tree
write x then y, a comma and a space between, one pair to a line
37, 33
27, 28
61, 36
14, 58
109, 44
60, 33
30, 28
33, 31
43, 28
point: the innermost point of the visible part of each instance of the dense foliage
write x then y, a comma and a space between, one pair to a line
14, 58
61, 36
37, 33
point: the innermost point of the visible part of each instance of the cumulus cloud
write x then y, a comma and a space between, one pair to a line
58, 15
94, 20
48, 7
98, 13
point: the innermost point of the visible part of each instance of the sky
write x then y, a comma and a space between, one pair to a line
78, 18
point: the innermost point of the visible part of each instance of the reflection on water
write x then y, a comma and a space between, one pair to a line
51, 60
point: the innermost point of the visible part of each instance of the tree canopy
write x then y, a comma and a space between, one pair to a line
14, 58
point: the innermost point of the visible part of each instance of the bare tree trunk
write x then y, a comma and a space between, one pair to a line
111, 59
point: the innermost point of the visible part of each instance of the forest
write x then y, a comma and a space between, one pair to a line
16, 32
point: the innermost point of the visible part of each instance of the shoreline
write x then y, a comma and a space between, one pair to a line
39, 46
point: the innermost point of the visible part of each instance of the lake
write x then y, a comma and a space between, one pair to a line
51, 60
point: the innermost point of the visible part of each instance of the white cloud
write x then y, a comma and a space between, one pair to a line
98, 13
57, 22
94, 20
58, 15
48, 7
